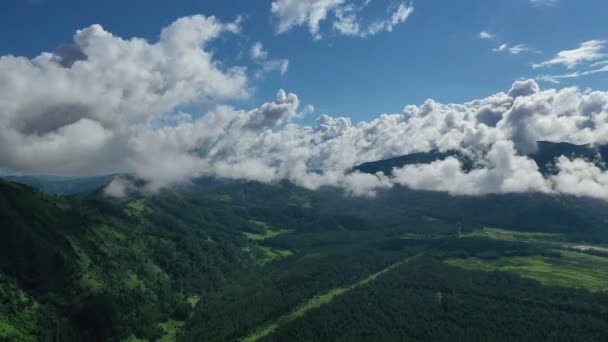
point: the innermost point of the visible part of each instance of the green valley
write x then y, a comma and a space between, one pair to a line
244, 261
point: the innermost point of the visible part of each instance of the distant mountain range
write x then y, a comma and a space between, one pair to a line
544, 157
54, 185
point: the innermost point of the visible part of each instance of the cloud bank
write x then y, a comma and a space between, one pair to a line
108, 104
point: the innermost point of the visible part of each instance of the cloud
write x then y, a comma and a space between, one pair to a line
400, 15
119, 187
543, 3
580, 178
73, 111
260, 56
496, 132
514, 50
502, 171
556, 79
257, 51
291, 13
345, 17
124, 108
588, 51
596, 64
486, 35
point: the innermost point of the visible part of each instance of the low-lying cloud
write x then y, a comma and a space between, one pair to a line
120, 105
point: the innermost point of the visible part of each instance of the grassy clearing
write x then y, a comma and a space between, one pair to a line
268, 232
264, 255
316, 302
267, 235
514, 235
576, 270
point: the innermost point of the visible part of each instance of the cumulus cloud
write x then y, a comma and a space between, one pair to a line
73, 111
588, 51
120, 106
497, 132
345, 16
502, 171
580, 178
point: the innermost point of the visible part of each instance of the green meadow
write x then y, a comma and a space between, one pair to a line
572, 269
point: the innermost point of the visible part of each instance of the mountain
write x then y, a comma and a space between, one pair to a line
248, 261
544, 157
62, 185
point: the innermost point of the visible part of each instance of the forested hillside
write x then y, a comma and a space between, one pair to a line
246, 261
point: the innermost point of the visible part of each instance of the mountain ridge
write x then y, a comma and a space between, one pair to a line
544, 157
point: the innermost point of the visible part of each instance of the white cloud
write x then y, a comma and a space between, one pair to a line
503, 171
580, 178
514, 50
257, 51
260, 56
346, 21
588, 51
556, 78
493, 131
543, 3
402, 13
501, 48
517, 49
291, 13
596, 64
117, 108
76, 117
486, 35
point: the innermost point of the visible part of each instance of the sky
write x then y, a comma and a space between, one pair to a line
436, 53
280, 89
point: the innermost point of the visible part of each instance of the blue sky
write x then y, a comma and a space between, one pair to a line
173, 90
436, 53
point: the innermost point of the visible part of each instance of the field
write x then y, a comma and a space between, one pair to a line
515, 235
564, 267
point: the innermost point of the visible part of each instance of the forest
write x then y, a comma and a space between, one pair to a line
243, 261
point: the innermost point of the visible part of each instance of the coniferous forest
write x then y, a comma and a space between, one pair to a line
245, 261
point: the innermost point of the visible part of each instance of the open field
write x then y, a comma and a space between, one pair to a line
572, 269
514, 235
